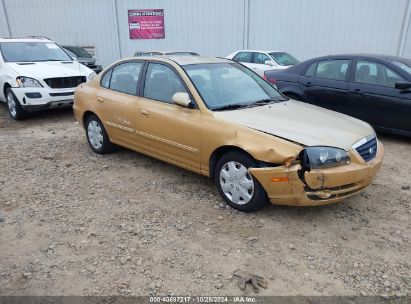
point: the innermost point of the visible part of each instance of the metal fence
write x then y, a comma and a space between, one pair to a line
218, 27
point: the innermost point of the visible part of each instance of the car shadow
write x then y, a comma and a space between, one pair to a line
36, 118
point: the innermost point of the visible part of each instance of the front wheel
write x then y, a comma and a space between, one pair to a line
236, 185
13, 105
97, 136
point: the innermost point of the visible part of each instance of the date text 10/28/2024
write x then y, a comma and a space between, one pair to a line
203, 299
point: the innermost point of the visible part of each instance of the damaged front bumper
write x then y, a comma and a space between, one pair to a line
292, 186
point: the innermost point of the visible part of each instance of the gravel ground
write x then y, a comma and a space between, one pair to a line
76, 223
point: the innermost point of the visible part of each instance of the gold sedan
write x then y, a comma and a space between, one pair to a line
219, 119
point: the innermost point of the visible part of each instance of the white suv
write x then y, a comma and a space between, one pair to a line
36, 74
261, 61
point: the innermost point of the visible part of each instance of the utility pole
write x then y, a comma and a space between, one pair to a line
6, 17
404, 29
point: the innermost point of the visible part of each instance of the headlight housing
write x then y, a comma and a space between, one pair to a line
27, 82
324, 157
91, 76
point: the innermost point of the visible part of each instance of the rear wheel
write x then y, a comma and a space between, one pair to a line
16, 112
236, 185
97, 136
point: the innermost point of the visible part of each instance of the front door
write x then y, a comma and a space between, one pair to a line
258, 63
173, 131
376, 99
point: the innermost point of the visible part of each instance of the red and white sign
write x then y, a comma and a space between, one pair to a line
146, 24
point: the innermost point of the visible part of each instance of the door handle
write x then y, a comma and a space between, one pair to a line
144, 113
100, 99
358, 91
307, 84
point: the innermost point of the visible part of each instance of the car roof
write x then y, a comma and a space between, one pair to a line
185, 60
262, 51
361, 55
26, 40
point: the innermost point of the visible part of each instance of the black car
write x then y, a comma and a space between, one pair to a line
373, 88
83, 57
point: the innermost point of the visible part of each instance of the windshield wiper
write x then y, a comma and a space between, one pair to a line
266, 101
51, 60
261, 102
230, 107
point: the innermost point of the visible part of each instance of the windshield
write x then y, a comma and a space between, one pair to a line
282, 58
32, 51
78, 51
222, 85
70, 53
405, 65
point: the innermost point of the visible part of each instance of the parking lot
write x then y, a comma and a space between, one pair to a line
78, 223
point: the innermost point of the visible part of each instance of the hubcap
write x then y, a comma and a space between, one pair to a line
95, 134
11, 104
236, 183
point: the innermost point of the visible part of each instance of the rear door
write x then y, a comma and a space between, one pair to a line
325, 84
117, 101
245, 58
375, 98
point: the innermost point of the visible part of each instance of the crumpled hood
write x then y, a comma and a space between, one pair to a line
49, 69
302, 123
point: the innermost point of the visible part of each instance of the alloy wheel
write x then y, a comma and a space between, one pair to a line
11, 103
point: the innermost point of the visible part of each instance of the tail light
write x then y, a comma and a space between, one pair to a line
269, 79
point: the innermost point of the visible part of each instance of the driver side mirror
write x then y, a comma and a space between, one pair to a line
403, 85
182, 99
269, 62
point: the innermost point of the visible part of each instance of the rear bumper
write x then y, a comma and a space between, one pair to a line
284, 186
35, 99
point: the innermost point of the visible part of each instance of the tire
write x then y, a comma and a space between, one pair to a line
14, 108
236, 186
97, 136
294, 96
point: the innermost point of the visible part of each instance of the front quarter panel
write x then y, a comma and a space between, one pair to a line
264, 147
84, 97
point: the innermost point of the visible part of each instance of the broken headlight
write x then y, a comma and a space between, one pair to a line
324, 157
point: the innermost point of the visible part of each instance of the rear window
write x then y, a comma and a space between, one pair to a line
285, 59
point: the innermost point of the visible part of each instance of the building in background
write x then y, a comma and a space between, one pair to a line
218, 27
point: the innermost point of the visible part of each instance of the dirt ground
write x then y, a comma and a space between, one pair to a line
77, 223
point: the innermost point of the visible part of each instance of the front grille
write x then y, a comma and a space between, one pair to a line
368, 150
65, 82
61, 94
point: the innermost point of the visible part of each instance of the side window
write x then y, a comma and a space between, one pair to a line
124, 77
243, 57
369, 72
332, 69
311, 70
105, 81
260, 58
162, 83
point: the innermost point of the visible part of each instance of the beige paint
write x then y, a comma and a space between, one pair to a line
274, 134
